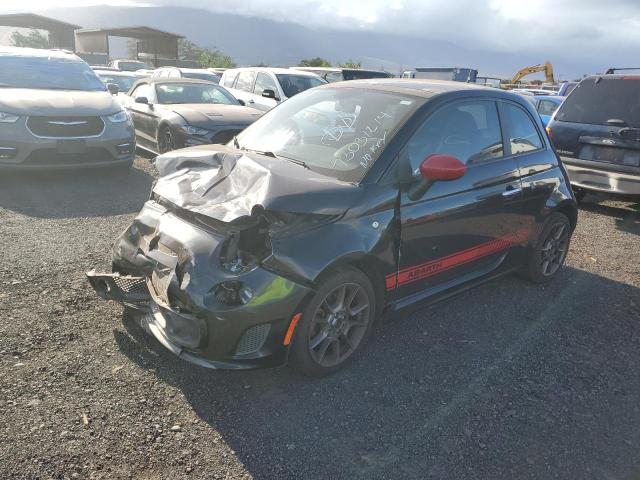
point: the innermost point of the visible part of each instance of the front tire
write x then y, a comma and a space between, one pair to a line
166, 140
547, 256
335, 324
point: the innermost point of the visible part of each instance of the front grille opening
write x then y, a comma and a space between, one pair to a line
65, 127
253, 339
48, 156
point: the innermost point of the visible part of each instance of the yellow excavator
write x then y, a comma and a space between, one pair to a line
547, 68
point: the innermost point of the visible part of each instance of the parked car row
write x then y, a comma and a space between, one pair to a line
595, 130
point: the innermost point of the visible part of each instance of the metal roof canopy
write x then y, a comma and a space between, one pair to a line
61, 34
151, 43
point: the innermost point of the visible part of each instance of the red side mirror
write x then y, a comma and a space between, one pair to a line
442, 167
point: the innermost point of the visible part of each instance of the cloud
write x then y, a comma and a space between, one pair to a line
582, 26
589, 31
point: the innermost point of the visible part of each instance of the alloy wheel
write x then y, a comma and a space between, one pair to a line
339, 324
554, 249
168, 143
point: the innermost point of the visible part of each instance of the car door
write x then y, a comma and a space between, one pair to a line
243, 88
464, 228
144, 116
526, 143
264, 81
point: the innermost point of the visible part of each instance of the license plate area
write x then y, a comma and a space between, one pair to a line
617, 155
69, 147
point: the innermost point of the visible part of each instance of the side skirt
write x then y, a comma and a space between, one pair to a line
443, 291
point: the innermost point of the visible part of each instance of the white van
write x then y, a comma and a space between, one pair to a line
264, 88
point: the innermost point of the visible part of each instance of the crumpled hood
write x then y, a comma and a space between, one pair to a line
224, 183
205, 115
23, 101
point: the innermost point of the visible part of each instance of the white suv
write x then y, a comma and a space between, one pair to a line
264, 88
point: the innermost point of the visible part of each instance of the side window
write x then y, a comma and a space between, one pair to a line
229, 78
264, 82
523, 134
143, 91
469, 131
245, 80
547, 107
334, 77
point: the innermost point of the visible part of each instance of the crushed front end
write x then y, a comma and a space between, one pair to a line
199, 288
209, 286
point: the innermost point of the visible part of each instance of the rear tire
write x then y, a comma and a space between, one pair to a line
335, 324
546, 258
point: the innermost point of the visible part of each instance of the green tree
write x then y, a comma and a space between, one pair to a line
314, 62
33, 39
351, 64
207, 57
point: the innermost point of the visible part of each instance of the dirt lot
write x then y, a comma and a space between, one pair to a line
509, 380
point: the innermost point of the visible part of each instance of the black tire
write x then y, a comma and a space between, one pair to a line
546, 258
166, 140
329, 333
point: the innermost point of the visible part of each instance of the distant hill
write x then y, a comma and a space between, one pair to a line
251, 40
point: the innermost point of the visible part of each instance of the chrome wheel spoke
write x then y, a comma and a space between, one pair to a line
339, 324
317, 340
355, 311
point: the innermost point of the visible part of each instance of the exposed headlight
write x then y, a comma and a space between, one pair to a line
8, 117
121, 116
194, 130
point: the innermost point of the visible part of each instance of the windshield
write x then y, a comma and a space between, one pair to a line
202, 76
123, 82
294, 84
51, 73
610, 98
339, 132
176, 93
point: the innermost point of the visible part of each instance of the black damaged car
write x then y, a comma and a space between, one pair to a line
343, 205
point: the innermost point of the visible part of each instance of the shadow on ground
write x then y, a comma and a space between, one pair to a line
509, 380
626, 212
74, 194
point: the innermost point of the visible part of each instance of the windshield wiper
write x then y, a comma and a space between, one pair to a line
297, 162
272, 155
236, 144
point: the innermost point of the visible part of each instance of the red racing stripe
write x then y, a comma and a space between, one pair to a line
428, 269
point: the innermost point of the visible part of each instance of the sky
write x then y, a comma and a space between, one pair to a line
582, 28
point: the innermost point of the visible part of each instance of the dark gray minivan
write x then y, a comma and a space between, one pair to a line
596, 131
56, 113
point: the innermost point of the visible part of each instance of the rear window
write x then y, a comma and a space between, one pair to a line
595, 102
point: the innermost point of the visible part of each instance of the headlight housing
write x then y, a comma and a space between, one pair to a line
121, 116
8, 117
190, 130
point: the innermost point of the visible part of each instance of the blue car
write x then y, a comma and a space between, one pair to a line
546, 105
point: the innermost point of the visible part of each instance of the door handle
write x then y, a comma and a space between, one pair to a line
511, 191
252, 101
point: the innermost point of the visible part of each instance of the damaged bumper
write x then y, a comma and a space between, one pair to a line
169, 272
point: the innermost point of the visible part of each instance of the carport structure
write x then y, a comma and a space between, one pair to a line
155, 46
61, 34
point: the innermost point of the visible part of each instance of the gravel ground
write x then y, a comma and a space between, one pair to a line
508, 380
